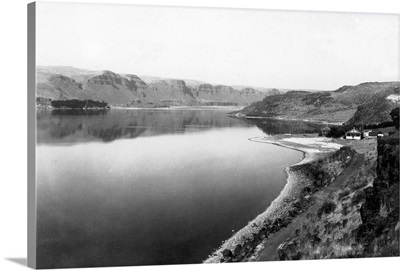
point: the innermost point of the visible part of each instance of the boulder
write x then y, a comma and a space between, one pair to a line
238, 250
227, 253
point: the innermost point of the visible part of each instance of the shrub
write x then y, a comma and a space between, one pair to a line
345, 209
327, 208
336, 132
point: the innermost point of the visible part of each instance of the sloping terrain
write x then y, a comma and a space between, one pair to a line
376, 110
60, 83
333, 106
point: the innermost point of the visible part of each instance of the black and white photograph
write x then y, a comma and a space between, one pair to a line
175, 135
178, 135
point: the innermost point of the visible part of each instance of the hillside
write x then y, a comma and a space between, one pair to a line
60, 83
366, 103
374, 111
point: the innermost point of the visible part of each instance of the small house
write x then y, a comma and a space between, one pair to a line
353, 134
325, 131
366, 133
376, 134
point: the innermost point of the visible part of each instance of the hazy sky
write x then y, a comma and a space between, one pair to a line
296, 50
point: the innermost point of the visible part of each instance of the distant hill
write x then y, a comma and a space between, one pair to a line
61, 82
270, 91
189, 82
275, 91
79, 75
364, 103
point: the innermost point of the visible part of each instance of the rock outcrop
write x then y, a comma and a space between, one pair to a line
379, 232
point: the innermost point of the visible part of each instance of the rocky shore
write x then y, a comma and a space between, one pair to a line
323, 162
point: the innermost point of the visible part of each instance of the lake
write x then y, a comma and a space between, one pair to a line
143, 187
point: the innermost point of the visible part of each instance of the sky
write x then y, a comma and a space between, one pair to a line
281, 49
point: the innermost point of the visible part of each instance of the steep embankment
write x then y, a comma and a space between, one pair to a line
379, 231
304, 180
366, 102
60, 83
357, 217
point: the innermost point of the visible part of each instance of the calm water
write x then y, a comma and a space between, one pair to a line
144, 187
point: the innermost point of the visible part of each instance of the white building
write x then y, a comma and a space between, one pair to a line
353, 134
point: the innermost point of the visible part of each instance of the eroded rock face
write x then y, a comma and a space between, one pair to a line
179, 84
206, 88
134, 82
130, 81
61, 78
107, 78
225, 88
248, 90
380, 211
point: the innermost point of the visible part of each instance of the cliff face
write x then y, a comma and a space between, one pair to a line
130, 90
379, 231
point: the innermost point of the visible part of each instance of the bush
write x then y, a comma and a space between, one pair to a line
337, 132
345, 209
327, 208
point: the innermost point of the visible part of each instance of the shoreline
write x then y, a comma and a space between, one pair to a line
113, 107
222, 108
290, 202
323, 122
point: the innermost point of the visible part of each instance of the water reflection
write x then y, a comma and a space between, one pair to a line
167, 199
78, 112
273, 126
169, 196
74, 126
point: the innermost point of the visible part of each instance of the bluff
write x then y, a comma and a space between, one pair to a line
63, 83
361, 219
379, 231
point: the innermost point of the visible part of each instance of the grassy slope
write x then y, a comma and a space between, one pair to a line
332, 106
376, 108
339, 227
